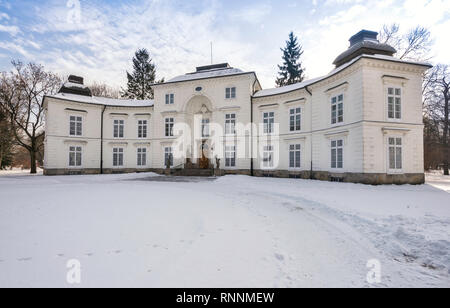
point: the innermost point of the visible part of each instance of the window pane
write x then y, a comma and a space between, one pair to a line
78, 156
390, 91
398, 158
391, 157
398, 91
333, 158
71, 159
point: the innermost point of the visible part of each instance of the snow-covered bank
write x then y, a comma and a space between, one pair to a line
235, 231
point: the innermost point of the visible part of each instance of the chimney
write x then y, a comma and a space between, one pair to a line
76, 79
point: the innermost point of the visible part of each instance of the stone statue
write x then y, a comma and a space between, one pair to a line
217, 162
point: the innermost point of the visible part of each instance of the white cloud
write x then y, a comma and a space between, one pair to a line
12, 30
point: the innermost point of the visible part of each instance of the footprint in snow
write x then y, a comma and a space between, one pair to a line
25, 259
90, 254
279, 257
118, 251
60, 255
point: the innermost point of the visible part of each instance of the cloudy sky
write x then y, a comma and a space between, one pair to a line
97, 38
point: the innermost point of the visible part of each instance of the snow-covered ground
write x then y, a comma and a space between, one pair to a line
237, 231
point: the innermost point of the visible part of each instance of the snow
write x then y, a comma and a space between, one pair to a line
103, 100
207, 74
144, 230
69, 84
302, 85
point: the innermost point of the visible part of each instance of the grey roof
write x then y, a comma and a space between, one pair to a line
304, 84
94, 100
368, 47
205, 74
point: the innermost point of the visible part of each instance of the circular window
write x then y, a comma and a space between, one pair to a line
198, 89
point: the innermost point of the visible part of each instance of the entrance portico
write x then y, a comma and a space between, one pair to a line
198, 119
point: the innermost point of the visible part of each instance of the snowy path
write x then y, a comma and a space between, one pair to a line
233, 232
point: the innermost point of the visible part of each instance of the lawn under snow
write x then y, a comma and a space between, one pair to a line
237, 231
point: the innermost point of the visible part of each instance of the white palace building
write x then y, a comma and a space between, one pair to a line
361, 123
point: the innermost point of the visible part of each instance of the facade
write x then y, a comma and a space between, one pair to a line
360, 123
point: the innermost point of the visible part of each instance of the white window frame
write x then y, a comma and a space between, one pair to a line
141, 157
295, 119
230, 156
230, 93
170, 99
142, 129
268, 157
168, 127
77, 151
268, 122
337, 145
120, 124
397, 100
338, 102
230, 124
398, 166
77, 121
168, 151
295, 149
120, 153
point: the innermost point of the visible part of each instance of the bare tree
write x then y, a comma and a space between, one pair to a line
103, 90
413, 45
437, 98
21, 96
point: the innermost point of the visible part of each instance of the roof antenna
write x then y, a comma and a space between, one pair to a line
211, 53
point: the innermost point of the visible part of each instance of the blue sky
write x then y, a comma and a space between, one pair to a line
98, 40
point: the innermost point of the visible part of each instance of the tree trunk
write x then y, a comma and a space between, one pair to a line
446, 130
33, 162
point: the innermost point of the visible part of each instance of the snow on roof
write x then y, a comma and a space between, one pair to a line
94, 100
301, 85
208, 74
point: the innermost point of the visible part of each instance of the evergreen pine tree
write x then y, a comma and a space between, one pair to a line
291, 71
143, 76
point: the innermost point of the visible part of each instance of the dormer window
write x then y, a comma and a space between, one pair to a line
230, 93
170, 99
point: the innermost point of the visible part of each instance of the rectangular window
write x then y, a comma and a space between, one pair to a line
230, 156
294, 156
230, 93
75, 156
141, 157
395, 103
170, 99
169, 127
395, 154
117, 157
142, 129
76, 126
205, 127
268, 156
295, 119
119, 128
337, 109
168, 157
268, 120
230, 124
337, 154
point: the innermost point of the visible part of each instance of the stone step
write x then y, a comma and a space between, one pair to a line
193, 172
